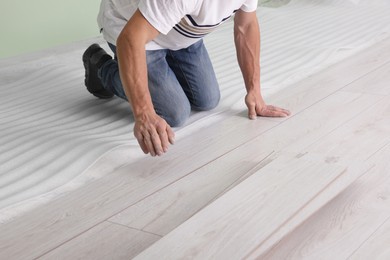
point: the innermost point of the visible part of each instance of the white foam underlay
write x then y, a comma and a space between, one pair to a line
56, 137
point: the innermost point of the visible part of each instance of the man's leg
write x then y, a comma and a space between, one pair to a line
169, 100
193, 69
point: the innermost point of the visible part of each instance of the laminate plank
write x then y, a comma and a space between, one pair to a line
336, 77
163, 211
358, 138
377, 247
235, 225
376, 82
105, 241
308, 210
346, 222
313, 124
168, 208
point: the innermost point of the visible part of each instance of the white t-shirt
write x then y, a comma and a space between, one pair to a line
180, 22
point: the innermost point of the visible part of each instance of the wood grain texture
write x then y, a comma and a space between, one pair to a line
171, 206
376, 82
105, 241
238, 223
343, 225
168, 208
316, 122
337, 76
322, 198
163, 211
60, 220
359, 138
377, 247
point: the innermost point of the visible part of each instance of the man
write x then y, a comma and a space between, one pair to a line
162, 67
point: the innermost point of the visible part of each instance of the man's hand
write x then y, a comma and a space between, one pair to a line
153, 134
257, 107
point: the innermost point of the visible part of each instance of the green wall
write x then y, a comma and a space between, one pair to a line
31, 25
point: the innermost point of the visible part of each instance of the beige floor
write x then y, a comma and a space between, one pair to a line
315, 185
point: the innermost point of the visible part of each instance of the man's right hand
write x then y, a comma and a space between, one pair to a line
153, 134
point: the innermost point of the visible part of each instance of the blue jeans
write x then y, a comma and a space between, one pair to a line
178, 81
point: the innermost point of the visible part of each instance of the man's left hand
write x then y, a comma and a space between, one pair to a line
257, 107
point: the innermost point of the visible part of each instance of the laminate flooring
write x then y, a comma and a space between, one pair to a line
314, 185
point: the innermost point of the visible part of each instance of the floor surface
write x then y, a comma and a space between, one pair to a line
315, 185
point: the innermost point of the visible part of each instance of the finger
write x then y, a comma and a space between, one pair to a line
171, 135
273, 111
143, 146
252, 112
283, 111
280, 111
156, 142
141, 143
287, 112
147, 139
163, 138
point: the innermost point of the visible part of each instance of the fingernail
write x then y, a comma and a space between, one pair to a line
252, 117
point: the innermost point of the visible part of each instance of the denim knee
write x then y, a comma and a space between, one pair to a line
176, 117
208, 103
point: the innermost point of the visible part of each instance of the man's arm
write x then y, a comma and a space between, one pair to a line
152, 132
247, 41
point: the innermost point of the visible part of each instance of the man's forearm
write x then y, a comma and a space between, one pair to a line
132, 63
247, 41
133, 72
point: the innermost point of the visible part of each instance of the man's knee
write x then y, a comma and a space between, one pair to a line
176, 117
207, 103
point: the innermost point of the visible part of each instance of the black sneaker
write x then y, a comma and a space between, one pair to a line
93, 58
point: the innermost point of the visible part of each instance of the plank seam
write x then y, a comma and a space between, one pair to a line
368, 238
133, 228
297, 212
